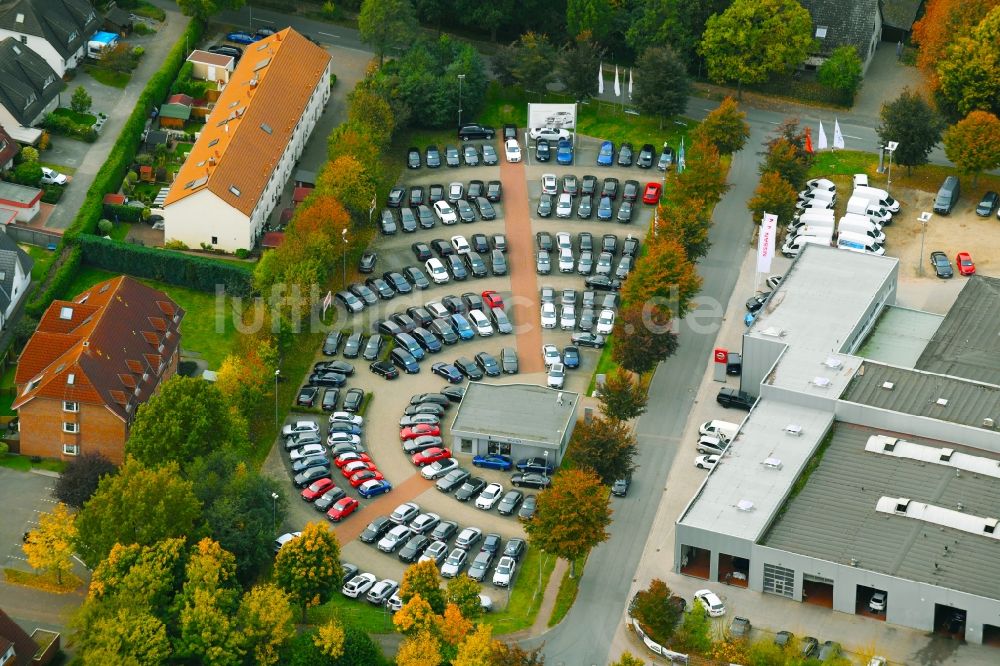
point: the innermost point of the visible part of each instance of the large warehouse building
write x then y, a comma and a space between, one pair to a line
870, 464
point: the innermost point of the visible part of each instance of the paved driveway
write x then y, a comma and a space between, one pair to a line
23, 495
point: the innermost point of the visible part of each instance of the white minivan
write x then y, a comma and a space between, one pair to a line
812, 204
817, 231
810, 220
822, 195
878, 197
862, 206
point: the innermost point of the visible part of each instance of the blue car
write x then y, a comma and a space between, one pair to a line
564, 155
606, 155
495, 461
374, 487
462, 326
242, 37
748, 319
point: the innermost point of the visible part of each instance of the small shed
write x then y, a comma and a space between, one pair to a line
176, 111
23, 200
305, 178
211, 66
119, 21
299, 194
156, 138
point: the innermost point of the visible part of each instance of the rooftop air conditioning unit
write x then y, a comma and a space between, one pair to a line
772, 463
821, 382
792, 429
832, 363
888, 386
988, 423
744, 505
942, 402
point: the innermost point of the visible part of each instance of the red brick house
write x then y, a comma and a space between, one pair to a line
17, 648
90, 364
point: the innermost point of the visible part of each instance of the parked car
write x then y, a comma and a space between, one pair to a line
531, 480
941, 264
730, 397
712, 603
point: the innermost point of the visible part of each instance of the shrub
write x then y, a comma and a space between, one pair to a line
29, 154
4, 448
175, 244
242, 253
66, 266
28, 173
81, 100
52, 193
123, 213
104, 227
141, 28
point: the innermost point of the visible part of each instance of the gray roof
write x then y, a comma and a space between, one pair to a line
900, 336
27, 82
967, 343
833, 518
65, 24
10, 256
21, 194
900, 13
516, 411
847, 22
917, 393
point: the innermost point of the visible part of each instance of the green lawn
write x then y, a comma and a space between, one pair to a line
926, 178
108, 77
7, 397
526, 595
358, 612
43, 259
120, 231
69, 171
24, 464
605, 365
149, 11
567, 593
198, 330
844, 162
87, 119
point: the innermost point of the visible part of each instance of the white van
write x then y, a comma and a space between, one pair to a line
812, 221
848, 240
794, 244
814, 212
860, 180
861, 225
878, 197
724, 430
863, 206
817, 231
803, 205
822, 184
822, 195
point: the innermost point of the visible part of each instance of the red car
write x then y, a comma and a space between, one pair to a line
964, 263
412, 432
364, 475
318, 488
349, 457
651, 195
344, 507
352, 468
427, 456
492, 299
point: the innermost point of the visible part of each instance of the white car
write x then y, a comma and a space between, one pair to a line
460, 244
285, 538
706, 462
605, 322
712, 603
438, 468
445, 212
504, 572
548, 315
567, 321
404, 513
550, 353
550, 184
308, 450
566, 261
512, 150
395, 602
347, 417
381, 591
358, 585
490, 496
557, 376
50, 177
564, 206
454, 564
563, 240
481, 323
396, 537
335, 438
437, 271
437, 551
548, 133
299, 427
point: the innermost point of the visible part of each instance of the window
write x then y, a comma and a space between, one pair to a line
779, 580
821, 32
24, 39
71, 406
71, 449
215, 240
70, 427
466, 445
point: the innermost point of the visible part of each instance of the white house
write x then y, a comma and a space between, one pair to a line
15, 276
57, 30
235, 173
29, 89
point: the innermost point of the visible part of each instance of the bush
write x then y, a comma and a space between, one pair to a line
68, 263
59, 124
104, 227
123, 213
242, 253
28, 173
141, 28
4, 448
51, 194
185, 84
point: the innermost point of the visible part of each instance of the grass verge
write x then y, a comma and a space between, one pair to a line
87, 119
24, 464
43, 581
567, 592
108, 77
149, 11
43, 259
605, 365
927, 178
526, 595
356, 612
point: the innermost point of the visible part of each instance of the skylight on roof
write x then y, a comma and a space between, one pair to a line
66, 313
267, 128
235, 190
213, 142
821, 32
262, 64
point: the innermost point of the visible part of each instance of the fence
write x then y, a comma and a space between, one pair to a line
32, 236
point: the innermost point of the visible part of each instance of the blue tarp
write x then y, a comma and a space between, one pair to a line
105, 38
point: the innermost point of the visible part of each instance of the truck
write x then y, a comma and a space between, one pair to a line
863, 206
878, 197
100, 44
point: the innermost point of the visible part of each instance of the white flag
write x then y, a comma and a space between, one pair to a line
618, 88
765, 242
838, 138
821, 143
600, 79
630, 83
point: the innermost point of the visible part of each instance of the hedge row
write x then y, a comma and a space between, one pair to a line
117, 213
165, 265
65, 268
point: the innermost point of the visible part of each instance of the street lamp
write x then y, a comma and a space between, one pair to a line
890, 148
274, 511
277, 374
546, 464
924, 218
461, 77
343, 234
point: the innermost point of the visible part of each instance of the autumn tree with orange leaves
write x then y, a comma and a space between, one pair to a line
973, 144
943, 22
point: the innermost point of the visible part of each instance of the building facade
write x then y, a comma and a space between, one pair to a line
57, 30
30, 89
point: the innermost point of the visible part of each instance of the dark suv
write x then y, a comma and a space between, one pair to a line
468, 132
730, 397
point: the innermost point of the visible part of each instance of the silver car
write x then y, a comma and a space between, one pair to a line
455, 563
564, 207
504, 572
396, 537
437, 551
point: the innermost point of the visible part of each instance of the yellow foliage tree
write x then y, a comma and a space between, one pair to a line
330, 639
422, 649
50, 546
453, 626
415, 617
265, 620
476, 649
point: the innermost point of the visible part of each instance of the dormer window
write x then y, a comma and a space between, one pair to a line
73, 35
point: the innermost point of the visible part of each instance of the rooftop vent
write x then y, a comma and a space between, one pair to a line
267, 128
559, 398
213, 142
793, 429
253, 83
946, 454
888, 386
772, 463
19, 18
901, 504
821, 382
235, 190
942, 402
745, 505
773, 332
66, 313
988, 423
832, 363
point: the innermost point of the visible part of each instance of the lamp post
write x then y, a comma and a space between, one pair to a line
924, 218
546, 464
461, 77
274, 511
343, 234
890, 147
277, 374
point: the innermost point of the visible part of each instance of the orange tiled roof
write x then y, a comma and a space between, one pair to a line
254, 117
103, 347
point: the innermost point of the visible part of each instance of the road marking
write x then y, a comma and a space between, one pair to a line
326, 34
848, 136
260, 20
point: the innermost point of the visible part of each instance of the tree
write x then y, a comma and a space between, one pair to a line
533, 66
910, 121
704, 177
476, 649
505, 654
308, 568
351, 139
50, 545
661, 84
974, 144
29, 154
265, 621
453, 628
330, 639
81, 100
79, 480
28, 173
679, 23
177, 423
969, 73
628, 659
386, 24
655, 612
348, 181
358, 648
577, 66
665, 279
755, 39
366, 108
686, 220
463, 592
169, 509
207, 634
421, 650
604, 446
623, 397
942, 23
591, 16
503, 64
695, 633
422, 579
416, 617
787, 154
726, 127
643, 337
773, 195
842, 71
205, 9
127, 636
572, 516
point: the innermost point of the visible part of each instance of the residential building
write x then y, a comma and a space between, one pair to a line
211, 66
8, 150
17, 648
856, 23
15, 276
90, 364
518, 420
898, 17
864, 479
29, 89
233, 177
57, 30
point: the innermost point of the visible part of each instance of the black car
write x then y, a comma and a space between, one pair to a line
342, 367
630, 247
373, 347
453, 393
454, 304
488, 364
464, 211
380, 287
473, 301
603, 283
468, 368
416, 277
588, 185
472, 487
509, 131
376, 529
527, 511
510, 502
332, 343
730, 397
530, 480
328, 498
494, 190
535, 465
414, 548
431, 398
417, 196
609, 243
587, 340
988, 204
433, 157
480, 243
508, 361
352, 348
941, 264
367, 262
448, 372
307, 396
452, 480
544, 206
324, 378
625, 155
310, 462
404, 360
625, 212
476, 189
451, 156
435, 193
543, 240
413, 157
387, 222
610, 188
486, 210
475, 264
443, 329
367, 296
571, 356
330, 397
396, 280
442, 247
543, 151
384, 369
353, 399
469, 132
645, 159
233, 52
445, 530
396, 197
420, 315
630, 190
620, 487
756, 302
425, 218
426, 339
